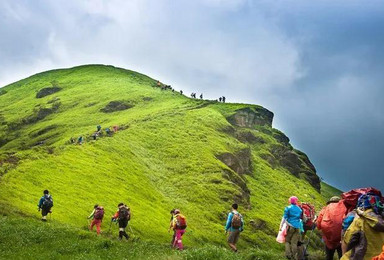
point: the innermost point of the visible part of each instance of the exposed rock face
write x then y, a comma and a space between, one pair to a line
280, 136
243, 197
114, 106
295, 162
248, 137
47, 91
249, 117
239, 163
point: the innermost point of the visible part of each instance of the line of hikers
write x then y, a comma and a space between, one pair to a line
352, 226
178, 222
193, 94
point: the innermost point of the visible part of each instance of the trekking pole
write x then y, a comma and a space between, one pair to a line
307, 245
109, 229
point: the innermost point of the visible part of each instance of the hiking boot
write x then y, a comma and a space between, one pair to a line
44, 220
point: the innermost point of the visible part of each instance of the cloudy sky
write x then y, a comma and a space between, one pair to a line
318, 65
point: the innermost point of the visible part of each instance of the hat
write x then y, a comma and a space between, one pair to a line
177, 211
334, 199
293, 200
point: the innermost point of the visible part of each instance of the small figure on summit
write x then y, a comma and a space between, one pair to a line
201, 96
45, 205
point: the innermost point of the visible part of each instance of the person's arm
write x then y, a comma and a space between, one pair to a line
320, 219
92, 214
286, 213
116, 216
40, 205
229, 221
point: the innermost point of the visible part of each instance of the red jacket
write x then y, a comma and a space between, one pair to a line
330, 222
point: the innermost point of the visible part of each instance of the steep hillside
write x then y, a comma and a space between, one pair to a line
170, 151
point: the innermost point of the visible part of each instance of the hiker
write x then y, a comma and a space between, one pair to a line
45, 205
234, 225
292, 217
80, 140
365, 236
108, 131
123, 215
201, 96
172, 212
179, 224
94, 135
115, 128
98, 128
223, 98
97, 217
220, 99
330, 222
158, 83
181, 92
72, 140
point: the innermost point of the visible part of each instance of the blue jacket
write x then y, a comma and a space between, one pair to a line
292, 214
229, 222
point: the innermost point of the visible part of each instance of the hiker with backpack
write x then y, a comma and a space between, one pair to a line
45, 205
234, 225
365, 236
330, 222
122, 215
179, 224
97, 217
292, 217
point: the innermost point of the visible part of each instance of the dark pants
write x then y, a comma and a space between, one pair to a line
330, 252
122, 225
45, 211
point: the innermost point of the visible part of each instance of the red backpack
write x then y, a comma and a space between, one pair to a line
181, 222
309, 215
99, 213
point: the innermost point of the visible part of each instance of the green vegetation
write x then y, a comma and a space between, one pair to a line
165, 155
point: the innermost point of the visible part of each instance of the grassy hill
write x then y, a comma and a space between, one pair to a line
170, 152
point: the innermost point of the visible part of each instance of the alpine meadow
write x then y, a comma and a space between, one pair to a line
167, 151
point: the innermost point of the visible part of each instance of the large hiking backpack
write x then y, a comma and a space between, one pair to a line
99, 213
48, 202
309, 215
351, 197
237, 221
181, 222
124, 213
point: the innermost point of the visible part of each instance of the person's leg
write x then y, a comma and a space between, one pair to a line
44, 213
339, 252
125, 224
288, 238
329, 253
180, 241
232, 240
92, 224
173, 238
98, 226
294, 241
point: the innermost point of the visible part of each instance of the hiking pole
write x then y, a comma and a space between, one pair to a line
109, 229
307, 245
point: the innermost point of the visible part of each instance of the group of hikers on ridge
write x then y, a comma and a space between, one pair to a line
352, 226
193, 94
109, 131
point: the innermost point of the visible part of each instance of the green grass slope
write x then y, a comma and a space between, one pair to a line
165, 155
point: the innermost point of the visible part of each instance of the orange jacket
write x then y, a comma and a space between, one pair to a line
330, 223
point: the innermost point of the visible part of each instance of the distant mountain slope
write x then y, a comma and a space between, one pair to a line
170, 151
